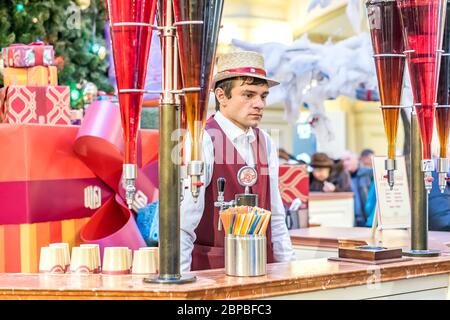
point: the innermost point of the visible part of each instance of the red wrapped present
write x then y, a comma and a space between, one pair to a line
43, 179
39, 104
294, 183
20, 244
28, 55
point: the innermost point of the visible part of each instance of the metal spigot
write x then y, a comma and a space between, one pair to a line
442, 169
221, 203
183, 178
427, 169
195, 171
129, 177
390, 165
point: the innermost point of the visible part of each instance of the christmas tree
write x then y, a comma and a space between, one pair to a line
75, 29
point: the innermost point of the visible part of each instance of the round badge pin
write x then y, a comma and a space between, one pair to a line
247, 176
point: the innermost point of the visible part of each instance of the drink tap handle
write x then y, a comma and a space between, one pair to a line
220, 189
221, 185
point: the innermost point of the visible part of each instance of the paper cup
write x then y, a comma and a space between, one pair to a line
145, 261
116, 261
96, 251
65, 246
82, 260
51, 260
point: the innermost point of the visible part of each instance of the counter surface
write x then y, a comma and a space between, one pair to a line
282, 279
329, 237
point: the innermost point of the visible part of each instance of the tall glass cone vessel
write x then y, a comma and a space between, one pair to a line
443, 109
131, 35
387, 42
386, 34
198, 23
423, 25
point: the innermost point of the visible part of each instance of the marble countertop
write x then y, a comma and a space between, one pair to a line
281, 279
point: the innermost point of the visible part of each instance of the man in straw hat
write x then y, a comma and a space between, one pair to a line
230, 142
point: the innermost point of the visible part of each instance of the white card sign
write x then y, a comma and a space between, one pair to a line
394, 206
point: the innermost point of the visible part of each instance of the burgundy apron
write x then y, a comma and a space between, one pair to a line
208, 252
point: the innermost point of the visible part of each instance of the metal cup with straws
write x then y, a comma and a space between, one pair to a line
245, 240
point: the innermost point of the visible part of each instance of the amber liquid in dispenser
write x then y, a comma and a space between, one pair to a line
197, 43
386, 34
443, 97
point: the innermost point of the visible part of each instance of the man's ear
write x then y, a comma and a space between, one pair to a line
221, 97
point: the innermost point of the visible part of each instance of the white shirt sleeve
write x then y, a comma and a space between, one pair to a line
191, 212
281, 241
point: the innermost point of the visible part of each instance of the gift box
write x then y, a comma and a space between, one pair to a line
38, 104
294, 183
43, 178
28, 55
20, 243
34, 76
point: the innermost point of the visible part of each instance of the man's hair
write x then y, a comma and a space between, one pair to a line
366, 152
228, 84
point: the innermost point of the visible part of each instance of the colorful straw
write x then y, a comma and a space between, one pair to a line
244, 220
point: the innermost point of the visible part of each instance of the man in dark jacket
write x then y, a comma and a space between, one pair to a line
361, 180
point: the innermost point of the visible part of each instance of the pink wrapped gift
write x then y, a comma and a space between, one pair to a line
28, 55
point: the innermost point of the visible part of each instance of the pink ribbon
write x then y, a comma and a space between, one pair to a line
99, 144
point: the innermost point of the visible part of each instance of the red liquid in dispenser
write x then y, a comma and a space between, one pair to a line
422, 22
131, 46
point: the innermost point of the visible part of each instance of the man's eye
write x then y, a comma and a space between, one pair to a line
248, 95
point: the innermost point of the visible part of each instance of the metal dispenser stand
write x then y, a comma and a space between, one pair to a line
419, 199
169, 171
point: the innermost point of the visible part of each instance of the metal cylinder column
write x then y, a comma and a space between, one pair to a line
419, 198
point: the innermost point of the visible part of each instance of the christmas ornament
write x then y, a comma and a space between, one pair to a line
84, 4
102, 53
35, 20
89, 92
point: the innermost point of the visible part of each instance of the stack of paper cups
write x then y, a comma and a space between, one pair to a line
116, 261
82, 260
96, 252
145, 261
65, 247
51, 260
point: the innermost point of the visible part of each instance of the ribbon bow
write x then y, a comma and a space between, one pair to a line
99, 144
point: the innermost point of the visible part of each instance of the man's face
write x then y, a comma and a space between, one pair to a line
246, 105
350, 162
366, 161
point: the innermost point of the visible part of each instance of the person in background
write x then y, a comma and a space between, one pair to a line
365, 159
438, 207
325, 177
362, 179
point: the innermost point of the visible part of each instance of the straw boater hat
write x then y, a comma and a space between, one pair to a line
321, 160
241, 63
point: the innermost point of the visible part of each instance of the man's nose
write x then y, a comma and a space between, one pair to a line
259, 103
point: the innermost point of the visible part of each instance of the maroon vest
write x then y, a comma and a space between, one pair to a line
208, 252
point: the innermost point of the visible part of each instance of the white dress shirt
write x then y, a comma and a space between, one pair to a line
191, 212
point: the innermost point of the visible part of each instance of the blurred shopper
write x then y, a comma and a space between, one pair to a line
439, 207
365, 159
325, 177
361, 180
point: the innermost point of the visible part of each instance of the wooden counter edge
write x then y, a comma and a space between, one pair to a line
263, 289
